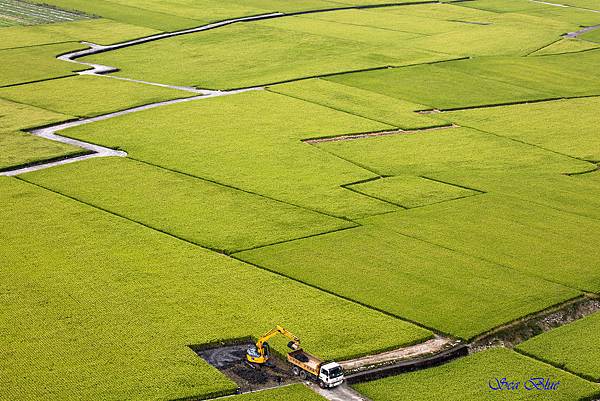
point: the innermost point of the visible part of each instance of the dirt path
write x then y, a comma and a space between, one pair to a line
375, 134
430, 347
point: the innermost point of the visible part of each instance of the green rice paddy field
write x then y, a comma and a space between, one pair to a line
394, 173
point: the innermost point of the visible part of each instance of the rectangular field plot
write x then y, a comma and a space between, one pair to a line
202, 212
434, 286
360, 102
132, 299
87, 96
472, 379
25, 13
574, 347
561, 75
261, 150
437, 87
99, 31
565, 126
532, 239
411, 191
452, 151
36, 63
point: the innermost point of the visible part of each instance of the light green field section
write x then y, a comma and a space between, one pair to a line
177, 14
508, 35
574, 194
451, 292
36, 63
18, 148
87, 96
99, 31
127, 14
593, 36
574, 347
526, 237
565, 126
398, 19
411, 191
17, 116
198, 211
336, 31
470, 379
566, 46
265, 52
438, 87
131, 299
505, 6
359, 102
577, 17
296, 392
453, 151
260, 150
436, 14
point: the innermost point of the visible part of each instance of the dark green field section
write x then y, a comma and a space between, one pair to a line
470, 379
574, 347
485, 81
84, 277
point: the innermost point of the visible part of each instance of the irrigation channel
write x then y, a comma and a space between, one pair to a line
230, 358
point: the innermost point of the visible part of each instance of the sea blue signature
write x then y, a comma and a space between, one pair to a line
533, 383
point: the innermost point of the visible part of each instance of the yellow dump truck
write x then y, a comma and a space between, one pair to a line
307, 366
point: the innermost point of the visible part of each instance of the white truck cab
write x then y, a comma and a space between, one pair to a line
331, 375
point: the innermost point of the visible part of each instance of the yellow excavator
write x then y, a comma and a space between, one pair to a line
261, 352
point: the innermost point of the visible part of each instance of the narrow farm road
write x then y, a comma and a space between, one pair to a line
342, 392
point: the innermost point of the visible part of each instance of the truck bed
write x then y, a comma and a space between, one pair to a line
311, 365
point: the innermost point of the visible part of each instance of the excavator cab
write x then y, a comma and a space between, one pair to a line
255, 355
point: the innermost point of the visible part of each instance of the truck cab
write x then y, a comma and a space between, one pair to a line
331, 375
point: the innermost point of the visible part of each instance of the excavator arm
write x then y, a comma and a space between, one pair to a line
260, 352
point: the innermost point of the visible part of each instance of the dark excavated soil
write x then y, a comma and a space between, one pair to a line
231, 360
